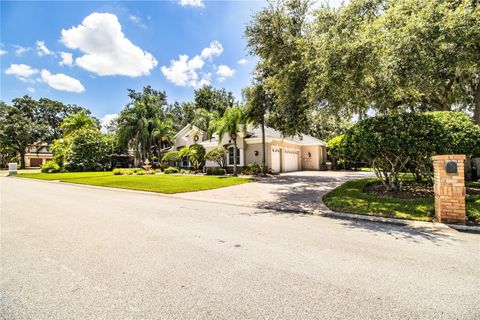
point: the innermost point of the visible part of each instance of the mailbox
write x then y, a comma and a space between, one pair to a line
451, 167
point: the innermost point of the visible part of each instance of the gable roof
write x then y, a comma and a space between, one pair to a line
187, 128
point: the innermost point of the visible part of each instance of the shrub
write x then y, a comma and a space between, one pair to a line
214, 171
50, 167
217, 155
171, 157
171, 170
91, 150
253, 169
402, 142
118, 172
195, 154
140, 172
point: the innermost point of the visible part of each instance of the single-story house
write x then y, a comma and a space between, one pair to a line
37, 154
283, 154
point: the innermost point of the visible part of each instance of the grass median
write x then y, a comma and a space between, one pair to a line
160, 183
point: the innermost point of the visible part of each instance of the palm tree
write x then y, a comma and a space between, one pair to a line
162, 134
232, 122
79, 120
204, 119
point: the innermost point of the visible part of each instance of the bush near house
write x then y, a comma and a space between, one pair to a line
195, 154
214, 171
50, 167
252, 169
171, 170
170, 158
405, 142
218, 155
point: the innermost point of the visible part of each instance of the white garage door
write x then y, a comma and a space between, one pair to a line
275, 159
291, 160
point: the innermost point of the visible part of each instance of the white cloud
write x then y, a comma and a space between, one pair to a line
21, 71
61, 82
31, 90
192, 3
42, 50
2, 52
137, 20
225, 72
107, 50
106, 120
214, 50
242, 61
67, 59
183, 72
19, 50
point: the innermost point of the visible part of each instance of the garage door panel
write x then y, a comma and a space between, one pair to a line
291, 160
275, 159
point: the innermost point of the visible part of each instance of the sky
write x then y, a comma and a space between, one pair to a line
88, 53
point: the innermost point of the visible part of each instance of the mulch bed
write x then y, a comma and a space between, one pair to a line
411, 189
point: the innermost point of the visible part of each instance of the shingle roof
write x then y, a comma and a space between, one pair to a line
256, 132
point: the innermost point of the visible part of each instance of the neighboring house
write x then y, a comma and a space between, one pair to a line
37, 154
283, 154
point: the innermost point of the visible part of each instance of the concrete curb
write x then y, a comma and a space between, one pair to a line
322, 213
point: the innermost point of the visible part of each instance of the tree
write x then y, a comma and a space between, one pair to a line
257, 105
181, 114
214, 100
232, 122
171, 157
77, 121
91, 149
325, 126
143, 124
276, 35
195, 154
17, 129
203, 119
218, 155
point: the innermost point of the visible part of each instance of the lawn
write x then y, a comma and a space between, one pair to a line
350, 198
161, 183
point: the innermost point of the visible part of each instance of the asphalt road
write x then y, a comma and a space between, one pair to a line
77, 252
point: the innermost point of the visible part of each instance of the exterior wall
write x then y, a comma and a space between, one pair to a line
182, 141
311, 157
44, 157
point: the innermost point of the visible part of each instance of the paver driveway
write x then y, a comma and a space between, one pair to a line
79, 252
296, 191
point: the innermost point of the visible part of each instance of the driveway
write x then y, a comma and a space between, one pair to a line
78, 252
294, 191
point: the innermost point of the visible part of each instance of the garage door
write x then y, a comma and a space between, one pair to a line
275, 159
35, 162
291, 160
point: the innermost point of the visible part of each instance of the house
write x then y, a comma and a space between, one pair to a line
37, 154
283, 154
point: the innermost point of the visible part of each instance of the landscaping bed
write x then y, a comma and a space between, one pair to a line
161, 183
416, 202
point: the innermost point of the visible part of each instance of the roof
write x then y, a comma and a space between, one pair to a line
302, 139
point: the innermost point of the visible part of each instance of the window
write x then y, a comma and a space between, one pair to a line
230, 156
185, 162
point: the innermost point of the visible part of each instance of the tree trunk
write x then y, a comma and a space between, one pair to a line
264, 161
235, 157
22, 160
476, 104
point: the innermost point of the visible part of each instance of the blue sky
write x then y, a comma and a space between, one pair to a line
89, 53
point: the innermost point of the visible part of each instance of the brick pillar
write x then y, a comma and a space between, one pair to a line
449, 171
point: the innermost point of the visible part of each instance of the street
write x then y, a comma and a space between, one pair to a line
79, 252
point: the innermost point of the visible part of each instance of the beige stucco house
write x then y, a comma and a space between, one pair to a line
37, 154
283, 154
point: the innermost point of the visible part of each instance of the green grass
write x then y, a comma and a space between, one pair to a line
156, 183
350, 198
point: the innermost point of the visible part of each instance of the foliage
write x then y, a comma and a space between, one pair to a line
203, 119
218, 155
232, 122
140, 172
407, 141
171, 156
60, 150
214, 100
161, 183
336, 152
144, 124
253, 169
195, 154
50, 167
90, 150
325, 126
215, 171
171, 170
78, 121
118, 172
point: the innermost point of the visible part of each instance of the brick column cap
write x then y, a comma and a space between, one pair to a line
449, 157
